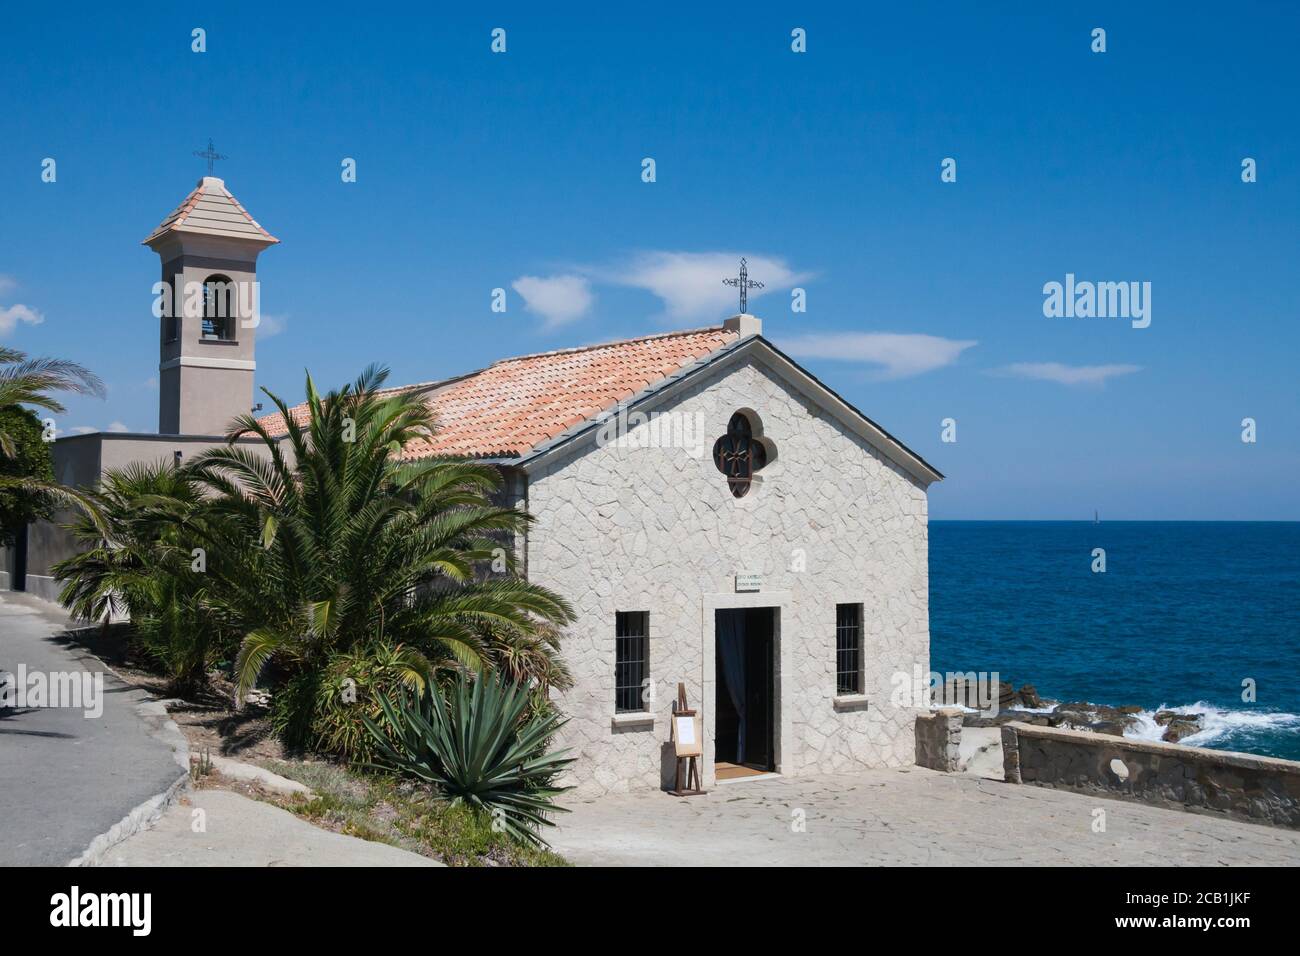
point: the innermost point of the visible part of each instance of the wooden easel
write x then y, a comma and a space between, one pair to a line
689, 746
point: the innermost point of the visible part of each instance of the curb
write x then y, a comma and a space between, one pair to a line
266, 779
146, 814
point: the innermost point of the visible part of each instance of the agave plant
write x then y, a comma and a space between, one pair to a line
477, 748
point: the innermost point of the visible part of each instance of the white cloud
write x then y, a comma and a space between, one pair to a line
690, 283
1067, 374
11, 315
90, 430
269, 325
559, 299
898, 354
7, 283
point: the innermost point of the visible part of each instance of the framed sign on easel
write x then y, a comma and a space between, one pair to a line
688, 743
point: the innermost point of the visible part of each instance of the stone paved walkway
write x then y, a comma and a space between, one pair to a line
915, 817
238, 831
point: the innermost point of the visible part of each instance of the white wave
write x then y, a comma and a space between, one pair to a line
1218, 723
935, 705
1014, 708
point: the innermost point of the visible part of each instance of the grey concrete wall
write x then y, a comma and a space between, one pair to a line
206, 399
48, 543
79, 461
1259, 789
44, 586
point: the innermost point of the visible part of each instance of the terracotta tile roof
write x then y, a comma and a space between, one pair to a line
514, 405
211, 210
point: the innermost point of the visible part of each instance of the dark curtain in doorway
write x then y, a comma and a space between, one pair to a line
731, 658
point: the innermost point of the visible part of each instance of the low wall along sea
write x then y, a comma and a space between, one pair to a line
1258, 789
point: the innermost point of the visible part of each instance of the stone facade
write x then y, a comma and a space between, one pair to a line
830, 521
938, 740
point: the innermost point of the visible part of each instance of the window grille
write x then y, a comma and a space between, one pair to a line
848, 648
631, 660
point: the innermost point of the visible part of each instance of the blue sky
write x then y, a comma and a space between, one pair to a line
522, 170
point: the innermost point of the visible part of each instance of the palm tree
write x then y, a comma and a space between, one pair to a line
29, 381
327, 541
137, 561
123, 528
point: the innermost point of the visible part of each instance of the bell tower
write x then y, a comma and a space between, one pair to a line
208, 310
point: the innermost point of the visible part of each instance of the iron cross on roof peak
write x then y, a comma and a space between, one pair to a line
210, 154
744, 283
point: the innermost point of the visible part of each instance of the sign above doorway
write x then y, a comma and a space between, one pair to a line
748, 582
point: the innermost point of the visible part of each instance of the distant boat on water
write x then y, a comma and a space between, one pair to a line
1095, 518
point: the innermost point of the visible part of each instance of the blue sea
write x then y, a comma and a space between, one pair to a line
1184, 613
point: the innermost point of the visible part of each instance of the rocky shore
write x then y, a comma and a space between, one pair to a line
1025, 705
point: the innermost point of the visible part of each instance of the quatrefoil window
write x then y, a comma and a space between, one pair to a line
739, 455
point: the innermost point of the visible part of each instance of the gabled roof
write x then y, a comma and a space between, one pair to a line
512, 406
210, 210
521, 408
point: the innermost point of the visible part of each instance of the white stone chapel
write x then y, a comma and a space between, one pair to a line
718, 517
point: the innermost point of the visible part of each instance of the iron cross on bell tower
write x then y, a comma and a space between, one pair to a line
744, 283
210, 154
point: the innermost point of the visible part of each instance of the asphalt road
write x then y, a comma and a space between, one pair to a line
65, 778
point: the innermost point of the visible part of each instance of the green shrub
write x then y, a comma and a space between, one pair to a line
179, 634
478, 747
461, 836
351, 687
293, 709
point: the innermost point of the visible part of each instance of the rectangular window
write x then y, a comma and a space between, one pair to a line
848, 648
631, 660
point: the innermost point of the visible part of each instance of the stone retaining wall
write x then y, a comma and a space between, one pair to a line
938, 739
1258, 789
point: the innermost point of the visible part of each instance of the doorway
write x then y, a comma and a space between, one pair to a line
745, 702
18, 561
